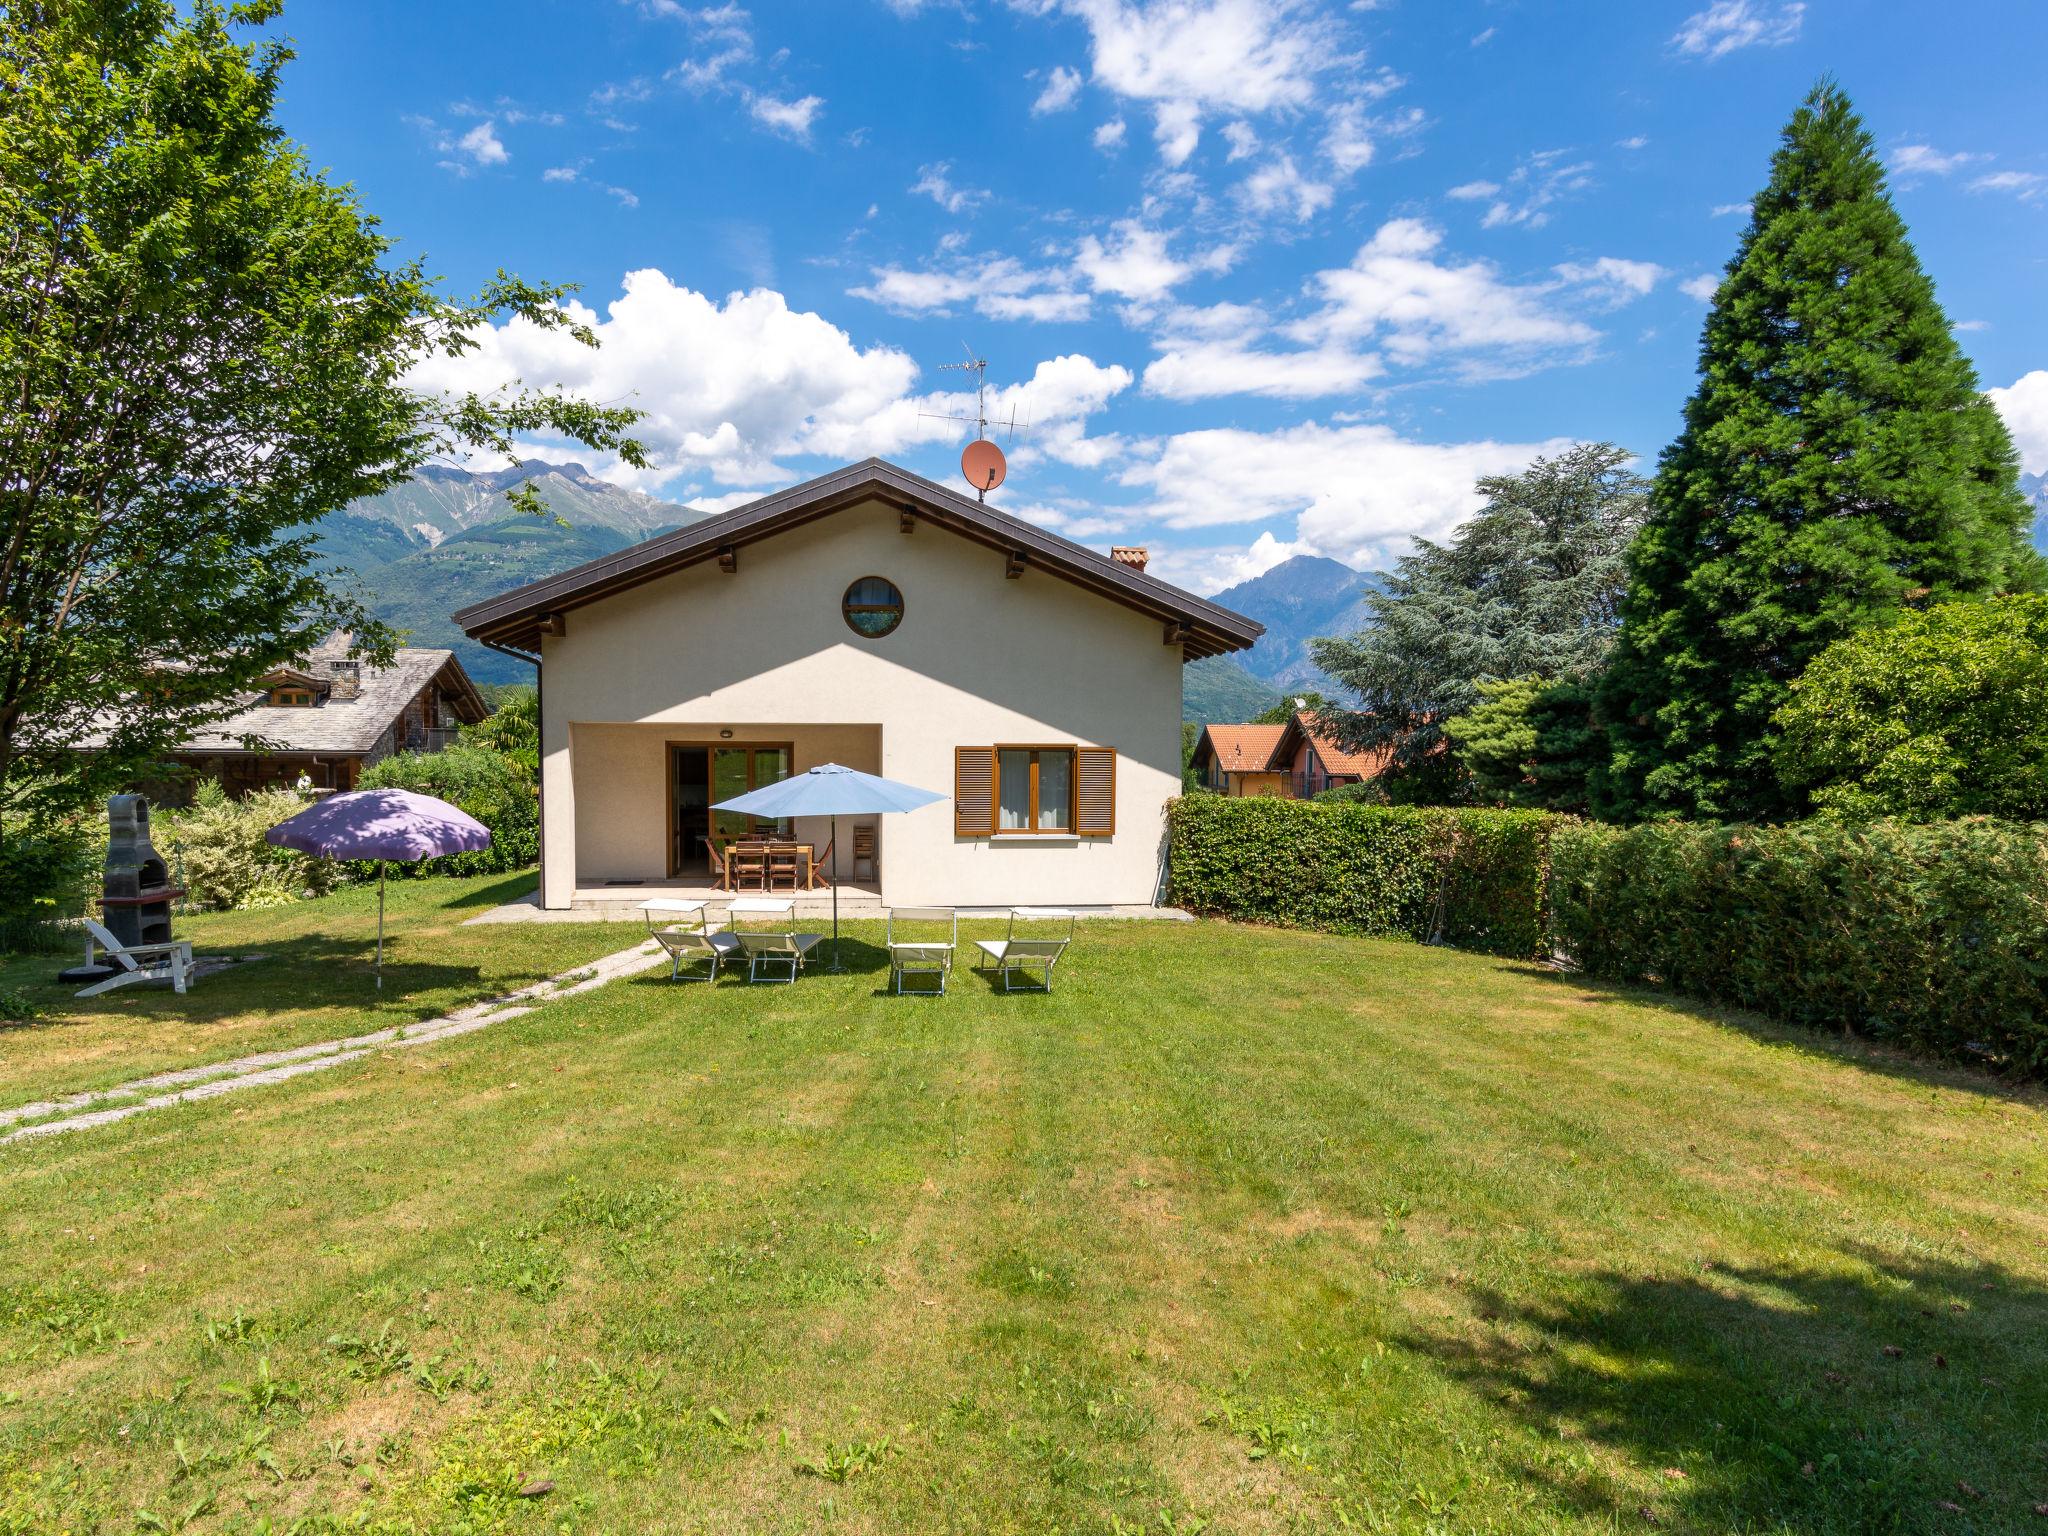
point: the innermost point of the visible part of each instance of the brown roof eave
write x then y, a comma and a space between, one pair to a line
513, 618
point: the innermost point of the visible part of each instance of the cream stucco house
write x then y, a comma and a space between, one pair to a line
873, 618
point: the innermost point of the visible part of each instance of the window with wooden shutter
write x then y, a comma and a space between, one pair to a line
1095, 791
974, 791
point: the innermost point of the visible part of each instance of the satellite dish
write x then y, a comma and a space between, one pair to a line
983, 465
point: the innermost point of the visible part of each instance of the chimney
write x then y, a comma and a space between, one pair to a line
1132, 555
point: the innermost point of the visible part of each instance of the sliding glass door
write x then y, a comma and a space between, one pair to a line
734, 771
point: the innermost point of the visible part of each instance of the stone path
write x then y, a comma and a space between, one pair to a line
194, 1083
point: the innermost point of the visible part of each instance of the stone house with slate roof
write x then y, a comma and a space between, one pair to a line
326, 718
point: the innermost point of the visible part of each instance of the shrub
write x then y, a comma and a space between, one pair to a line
1932, 937
223, 861
1529, 742
46, 874
1466, 876
490, 785
1944, 713
513, 728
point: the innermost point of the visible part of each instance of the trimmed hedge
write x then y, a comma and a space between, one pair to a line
1931, 937
1365, 868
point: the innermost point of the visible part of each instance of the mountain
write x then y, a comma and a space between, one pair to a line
1300, 600
1219, 688
2036, 486
448, 538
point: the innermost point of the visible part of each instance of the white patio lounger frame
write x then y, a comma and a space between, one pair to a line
1014, 957
921, 957
780, 949
688, 945
169, 961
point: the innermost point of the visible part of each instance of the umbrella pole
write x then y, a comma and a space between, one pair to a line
380, 925
835, 968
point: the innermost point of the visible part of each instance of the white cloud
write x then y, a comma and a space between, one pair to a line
1192, 58
2027, 186
1062, 89
1539, 181
560, 173
1728, 25
1134, 265
482, 144
1000, 287
1724, 210
1398, 304
1398, 293
1615, 278
1914, 160
730, 388
1481, 39
1277, 187
934, 182
1473, 191
1703, 287
1242, 137
1356, 492
1634, 141
1110, 135
1210, 569
1971, 325
2024, 405
792, 119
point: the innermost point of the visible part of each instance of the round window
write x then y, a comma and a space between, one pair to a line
872, 607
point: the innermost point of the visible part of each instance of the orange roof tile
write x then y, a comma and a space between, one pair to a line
1243, 748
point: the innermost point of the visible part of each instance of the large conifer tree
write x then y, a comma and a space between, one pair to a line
1837, 463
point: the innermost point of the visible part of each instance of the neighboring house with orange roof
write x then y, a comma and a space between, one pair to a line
1291, 761
1238, 759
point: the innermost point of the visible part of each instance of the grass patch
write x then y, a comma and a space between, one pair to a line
1239, 1230
317, 983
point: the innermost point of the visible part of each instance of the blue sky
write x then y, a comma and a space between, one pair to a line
1265, 278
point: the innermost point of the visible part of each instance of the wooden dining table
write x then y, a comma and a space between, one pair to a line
807, 858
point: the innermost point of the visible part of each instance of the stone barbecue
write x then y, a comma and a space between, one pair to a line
136, 895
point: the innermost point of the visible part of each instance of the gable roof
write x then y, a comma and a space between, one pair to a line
1335, 759
1241, 748
337, 726
515, 620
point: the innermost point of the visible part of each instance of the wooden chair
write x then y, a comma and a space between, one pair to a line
721, 865
864, 849
785, 866
821, 863
748, 862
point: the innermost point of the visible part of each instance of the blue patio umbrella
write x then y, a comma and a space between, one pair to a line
830, 790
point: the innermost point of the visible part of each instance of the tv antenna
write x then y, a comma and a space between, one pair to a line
982, 462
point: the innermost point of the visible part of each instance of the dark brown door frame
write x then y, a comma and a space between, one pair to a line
668, 786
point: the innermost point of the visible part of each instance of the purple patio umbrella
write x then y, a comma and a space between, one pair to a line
381, 824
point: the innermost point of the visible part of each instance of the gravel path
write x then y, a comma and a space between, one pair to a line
76, 1112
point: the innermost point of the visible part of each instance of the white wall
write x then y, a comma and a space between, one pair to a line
978, 659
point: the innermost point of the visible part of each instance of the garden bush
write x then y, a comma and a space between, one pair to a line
46, 875
1931, 937
222, 860
493, 786
1471, 877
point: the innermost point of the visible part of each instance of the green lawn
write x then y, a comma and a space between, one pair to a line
316, 982
1241, 1230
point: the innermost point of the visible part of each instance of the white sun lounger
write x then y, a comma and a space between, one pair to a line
169, 961
1039, 947
926, 954
683, 929
772, 950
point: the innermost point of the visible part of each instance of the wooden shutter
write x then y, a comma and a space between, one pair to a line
974, 791
1095, 791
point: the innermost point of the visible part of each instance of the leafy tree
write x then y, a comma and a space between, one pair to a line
1310, 702
1837, 462
1529, 585
511, 728
204, 347
1530, 741
1944, 713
